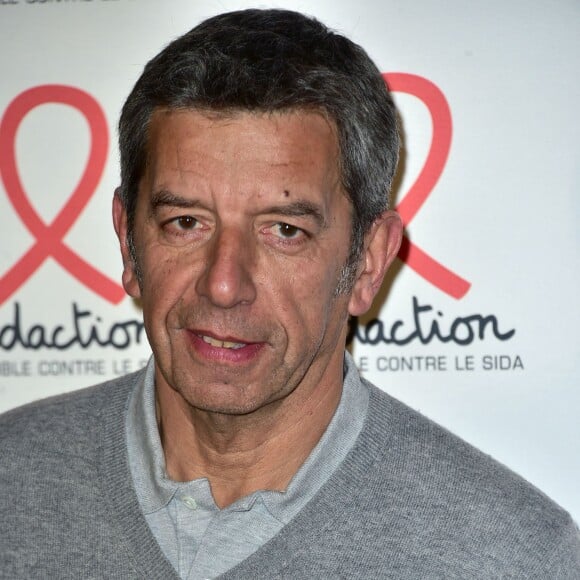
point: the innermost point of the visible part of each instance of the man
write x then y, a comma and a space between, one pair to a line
257, 153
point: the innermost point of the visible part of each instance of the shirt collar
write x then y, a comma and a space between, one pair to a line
146, 459
330, 451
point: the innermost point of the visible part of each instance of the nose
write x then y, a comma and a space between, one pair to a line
227, 278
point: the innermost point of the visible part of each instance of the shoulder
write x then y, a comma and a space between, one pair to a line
452, 492
66, 423
64, 479
445, 461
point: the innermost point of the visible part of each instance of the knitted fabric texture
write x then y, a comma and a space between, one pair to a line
409, 501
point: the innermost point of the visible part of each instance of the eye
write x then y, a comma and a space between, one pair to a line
288, 231
183, 228
185, 222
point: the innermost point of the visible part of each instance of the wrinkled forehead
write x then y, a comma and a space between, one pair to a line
161, 115
304, 134
262, 150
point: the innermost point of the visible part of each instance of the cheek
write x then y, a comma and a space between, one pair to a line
164, 280
304, 296
295, 282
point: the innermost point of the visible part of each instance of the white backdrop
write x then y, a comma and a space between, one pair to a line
479, 330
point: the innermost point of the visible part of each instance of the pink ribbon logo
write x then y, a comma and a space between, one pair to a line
49, 237
413, 256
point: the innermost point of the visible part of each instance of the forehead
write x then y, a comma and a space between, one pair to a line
261, 145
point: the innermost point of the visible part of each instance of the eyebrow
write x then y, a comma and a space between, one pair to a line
165, 197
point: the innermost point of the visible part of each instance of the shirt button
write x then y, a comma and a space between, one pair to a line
189, 502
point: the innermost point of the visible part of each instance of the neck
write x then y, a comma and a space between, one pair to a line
241, 454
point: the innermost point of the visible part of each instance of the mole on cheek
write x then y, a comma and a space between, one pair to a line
286, 193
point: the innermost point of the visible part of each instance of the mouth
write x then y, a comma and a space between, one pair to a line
226, 349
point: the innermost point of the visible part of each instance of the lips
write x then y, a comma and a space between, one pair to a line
223, 349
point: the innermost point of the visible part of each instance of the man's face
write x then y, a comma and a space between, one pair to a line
241, 231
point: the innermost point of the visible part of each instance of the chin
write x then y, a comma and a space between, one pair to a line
225, 399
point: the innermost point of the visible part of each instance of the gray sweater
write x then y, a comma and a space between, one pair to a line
409, 501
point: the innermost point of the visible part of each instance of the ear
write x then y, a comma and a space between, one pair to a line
381, 246
130, 281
